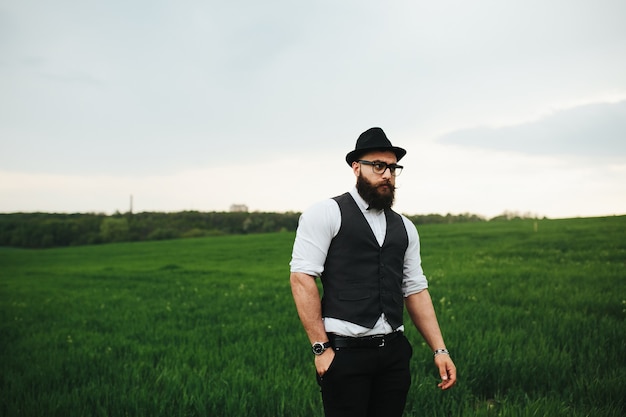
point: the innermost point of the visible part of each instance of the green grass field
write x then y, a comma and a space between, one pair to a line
533, 313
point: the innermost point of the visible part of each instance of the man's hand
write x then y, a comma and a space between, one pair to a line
447, 371
323, 361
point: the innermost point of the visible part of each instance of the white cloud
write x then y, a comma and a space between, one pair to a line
596, 129
103, 100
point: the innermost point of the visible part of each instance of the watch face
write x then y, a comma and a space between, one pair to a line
318, 348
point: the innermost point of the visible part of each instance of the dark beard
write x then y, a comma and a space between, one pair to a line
373, 196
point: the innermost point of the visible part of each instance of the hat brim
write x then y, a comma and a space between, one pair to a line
356, 154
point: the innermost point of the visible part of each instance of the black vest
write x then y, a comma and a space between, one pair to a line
361, 279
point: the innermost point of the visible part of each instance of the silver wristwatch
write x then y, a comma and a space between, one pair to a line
318, 347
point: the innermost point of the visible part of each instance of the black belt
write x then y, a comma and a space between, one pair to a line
361, 342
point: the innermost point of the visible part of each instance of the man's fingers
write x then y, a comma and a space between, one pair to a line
447, 372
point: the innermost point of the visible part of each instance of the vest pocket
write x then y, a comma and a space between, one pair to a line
354, 295
398, 299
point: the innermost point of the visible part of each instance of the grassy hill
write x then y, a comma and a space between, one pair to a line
533, 312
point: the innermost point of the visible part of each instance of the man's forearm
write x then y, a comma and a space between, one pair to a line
422, 313
309, 306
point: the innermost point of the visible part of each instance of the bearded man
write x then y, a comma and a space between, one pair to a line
368, 259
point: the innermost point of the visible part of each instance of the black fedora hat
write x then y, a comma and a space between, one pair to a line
373, 139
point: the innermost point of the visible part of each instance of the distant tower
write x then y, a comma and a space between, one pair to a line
131, 204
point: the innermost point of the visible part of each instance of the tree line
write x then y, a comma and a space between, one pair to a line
46, 230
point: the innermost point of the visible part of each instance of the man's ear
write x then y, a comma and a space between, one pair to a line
356, 167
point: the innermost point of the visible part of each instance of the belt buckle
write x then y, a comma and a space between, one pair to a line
382, 342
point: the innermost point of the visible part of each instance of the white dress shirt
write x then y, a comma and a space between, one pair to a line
316, 229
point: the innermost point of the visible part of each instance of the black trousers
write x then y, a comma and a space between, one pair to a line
368, 382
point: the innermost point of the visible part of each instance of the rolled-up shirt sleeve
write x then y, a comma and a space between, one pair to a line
317, 227
414, 280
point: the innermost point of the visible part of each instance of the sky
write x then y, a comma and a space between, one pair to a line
503, 106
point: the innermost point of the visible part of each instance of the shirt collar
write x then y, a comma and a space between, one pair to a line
363, 205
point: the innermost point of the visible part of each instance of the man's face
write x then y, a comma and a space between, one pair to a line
378, 190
